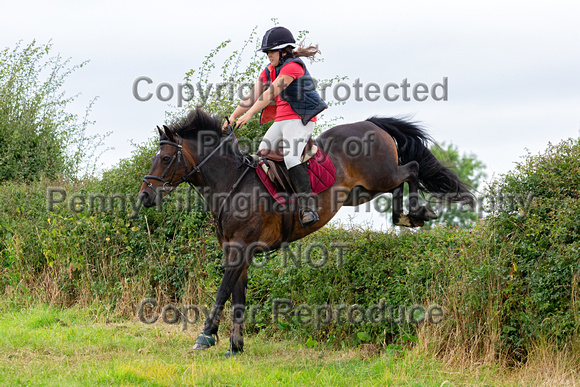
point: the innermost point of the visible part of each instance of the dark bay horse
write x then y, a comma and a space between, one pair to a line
371, 157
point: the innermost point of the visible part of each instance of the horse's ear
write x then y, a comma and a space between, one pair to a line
169, 133
160, 131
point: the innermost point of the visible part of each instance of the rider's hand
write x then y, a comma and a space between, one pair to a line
243, 120
225, 127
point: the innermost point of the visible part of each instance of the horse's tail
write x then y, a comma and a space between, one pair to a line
434, 177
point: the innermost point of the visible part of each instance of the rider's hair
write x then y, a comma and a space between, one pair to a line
301, 51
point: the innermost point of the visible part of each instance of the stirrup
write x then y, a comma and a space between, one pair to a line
302, 212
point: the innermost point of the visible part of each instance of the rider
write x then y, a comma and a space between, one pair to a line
286, 93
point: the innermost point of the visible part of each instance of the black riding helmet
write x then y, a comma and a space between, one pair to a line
277, 38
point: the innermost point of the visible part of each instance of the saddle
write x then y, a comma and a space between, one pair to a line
273, 165
274, 175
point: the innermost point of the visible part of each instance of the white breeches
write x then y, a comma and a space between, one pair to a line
289, 135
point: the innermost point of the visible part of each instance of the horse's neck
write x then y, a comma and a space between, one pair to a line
219, 176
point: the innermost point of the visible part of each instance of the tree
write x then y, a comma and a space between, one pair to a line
470, 170
40, 139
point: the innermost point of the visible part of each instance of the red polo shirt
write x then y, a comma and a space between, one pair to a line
283, 109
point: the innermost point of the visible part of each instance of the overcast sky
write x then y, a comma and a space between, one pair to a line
512, 67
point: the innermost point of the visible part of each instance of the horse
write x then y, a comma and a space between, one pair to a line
194, 150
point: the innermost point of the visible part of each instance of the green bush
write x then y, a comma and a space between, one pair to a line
40, 139
79, 250
539, 223
507, 282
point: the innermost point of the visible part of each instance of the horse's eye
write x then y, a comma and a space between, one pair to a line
166, 159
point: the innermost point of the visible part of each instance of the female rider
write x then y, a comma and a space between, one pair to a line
286, 93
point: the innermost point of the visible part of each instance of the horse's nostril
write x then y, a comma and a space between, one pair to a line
144, 197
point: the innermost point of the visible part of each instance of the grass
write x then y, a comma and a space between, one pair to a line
44, 345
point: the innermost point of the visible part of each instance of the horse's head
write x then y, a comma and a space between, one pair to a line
183, 149
167, 170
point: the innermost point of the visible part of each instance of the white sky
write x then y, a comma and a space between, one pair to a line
512, 66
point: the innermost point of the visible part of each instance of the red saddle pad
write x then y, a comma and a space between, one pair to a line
322, 176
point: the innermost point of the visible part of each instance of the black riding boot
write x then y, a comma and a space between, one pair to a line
301, 182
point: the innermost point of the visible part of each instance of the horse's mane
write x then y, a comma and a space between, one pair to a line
196, 120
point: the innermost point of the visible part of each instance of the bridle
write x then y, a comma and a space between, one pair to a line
168, 184
179, 154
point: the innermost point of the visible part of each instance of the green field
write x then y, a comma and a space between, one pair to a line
49, 346
58, 347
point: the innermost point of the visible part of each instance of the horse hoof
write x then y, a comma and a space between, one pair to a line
409, 221
430, 214
417, 222
424, 214
204, 342
419, 217
404, 221
232, 353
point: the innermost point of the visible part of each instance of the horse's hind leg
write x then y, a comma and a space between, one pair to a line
407, 173
418, 214
399, 218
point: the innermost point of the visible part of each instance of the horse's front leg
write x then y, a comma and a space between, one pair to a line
236, 264
239, 307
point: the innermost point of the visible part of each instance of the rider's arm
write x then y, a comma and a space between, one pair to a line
247, 102
281, 82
